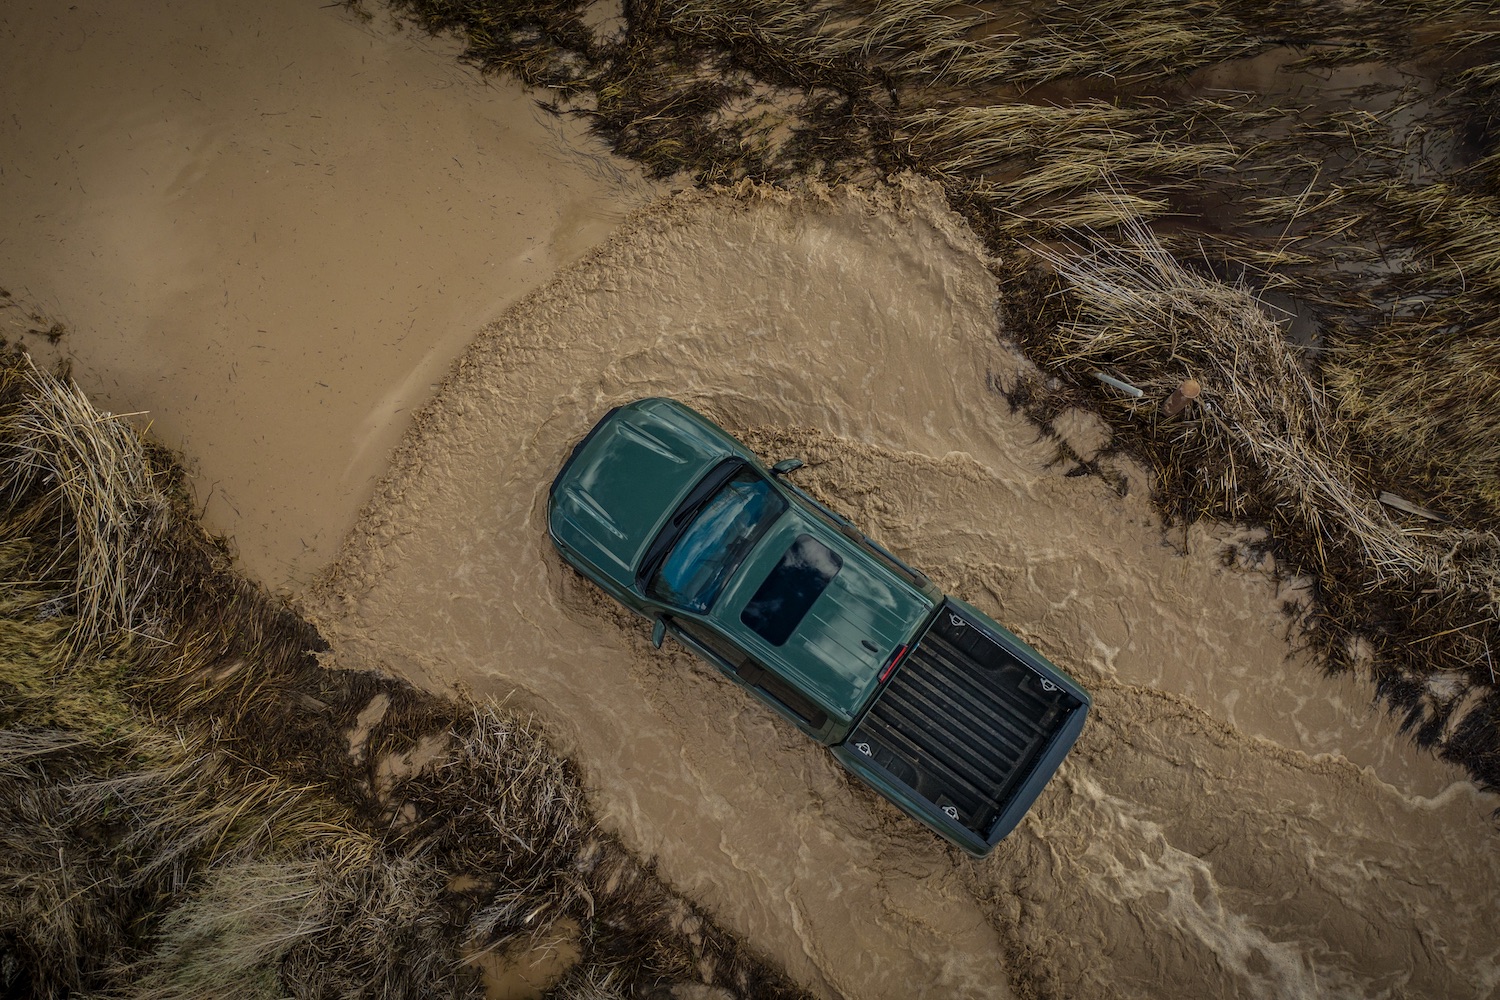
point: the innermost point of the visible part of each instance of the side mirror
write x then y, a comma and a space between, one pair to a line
658, 632
786, 465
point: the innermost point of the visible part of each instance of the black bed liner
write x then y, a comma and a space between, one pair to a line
963, 721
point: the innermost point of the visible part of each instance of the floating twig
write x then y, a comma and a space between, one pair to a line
1181, 397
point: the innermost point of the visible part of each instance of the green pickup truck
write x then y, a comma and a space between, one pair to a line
922, 696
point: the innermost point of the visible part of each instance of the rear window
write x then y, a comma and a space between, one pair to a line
782, 601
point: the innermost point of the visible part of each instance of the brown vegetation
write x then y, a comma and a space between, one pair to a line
195, 807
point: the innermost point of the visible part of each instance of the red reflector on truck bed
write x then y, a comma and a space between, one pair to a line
892, 665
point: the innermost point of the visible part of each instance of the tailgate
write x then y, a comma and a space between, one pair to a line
968, 730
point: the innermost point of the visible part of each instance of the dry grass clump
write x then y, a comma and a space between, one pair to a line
907, 41
1417, 371
522, 835
231, 935
502, 806
205, 811
1400, 266
63, 456
151, 867
1418, 599
1089, 165
104, 834
1138, 311
139, 860
1144, 42
590, 986
1018, 46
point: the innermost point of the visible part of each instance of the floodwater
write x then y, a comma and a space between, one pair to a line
1231, 822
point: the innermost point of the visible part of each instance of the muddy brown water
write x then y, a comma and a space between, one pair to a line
1231, 824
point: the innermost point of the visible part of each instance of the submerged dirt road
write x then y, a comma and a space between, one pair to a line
1231, 824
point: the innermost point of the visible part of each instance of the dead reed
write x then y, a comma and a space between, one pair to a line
1422, 386
64, 457
1089, 166
1266, 443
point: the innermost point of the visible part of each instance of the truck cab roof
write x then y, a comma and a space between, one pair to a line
827, 633
815, 607
625, 479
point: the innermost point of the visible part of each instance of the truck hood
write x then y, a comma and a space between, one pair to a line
627, 477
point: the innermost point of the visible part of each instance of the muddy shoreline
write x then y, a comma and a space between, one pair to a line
274, 230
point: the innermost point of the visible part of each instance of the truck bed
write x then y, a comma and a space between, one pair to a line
964, 720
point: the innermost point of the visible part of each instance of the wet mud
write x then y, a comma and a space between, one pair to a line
269, 230
1232, 823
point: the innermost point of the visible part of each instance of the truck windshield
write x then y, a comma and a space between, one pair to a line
722, 533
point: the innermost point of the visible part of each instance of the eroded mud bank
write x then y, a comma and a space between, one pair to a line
1231, 824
